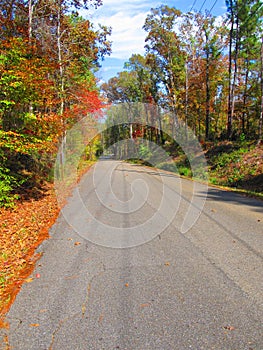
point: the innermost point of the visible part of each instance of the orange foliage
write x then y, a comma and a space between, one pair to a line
22, 230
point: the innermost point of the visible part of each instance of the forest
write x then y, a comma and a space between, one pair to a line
48, 57
198, 70
205, 70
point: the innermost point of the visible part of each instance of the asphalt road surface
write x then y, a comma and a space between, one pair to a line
157, 262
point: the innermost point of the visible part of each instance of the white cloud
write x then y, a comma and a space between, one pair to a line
127, 33
126, 18
109, 68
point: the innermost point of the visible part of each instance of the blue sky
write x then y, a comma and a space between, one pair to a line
127, 18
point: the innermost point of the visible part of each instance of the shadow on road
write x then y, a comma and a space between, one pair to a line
148, 172
215, 194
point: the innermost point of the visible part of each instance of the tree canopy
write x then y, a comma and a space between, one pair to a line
207, 70
48, 57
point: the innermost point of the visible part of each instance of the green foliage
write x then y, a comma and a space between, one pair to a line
24, 160
185, 171
47, 83
168, 167
224, 159
236, 166
189, 65
145, 152
242, 138
94, 149
7, 185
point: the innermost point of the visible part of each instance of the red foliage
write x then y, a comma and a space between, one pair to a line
85, 102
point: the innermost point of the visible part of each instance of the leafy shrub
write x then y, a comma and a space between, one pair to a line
7, 185
145, 152
168, 166
185, 171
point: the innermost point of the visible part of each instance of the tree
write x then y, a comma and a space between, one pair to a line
203, 41
165, 55
245, 19
48, 55
260, 139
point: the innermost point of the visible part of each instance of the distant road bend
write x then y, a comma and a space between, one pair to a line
150, 267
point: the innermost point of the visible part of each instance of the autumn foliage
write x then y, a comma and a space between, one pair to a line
48, 56
47, 61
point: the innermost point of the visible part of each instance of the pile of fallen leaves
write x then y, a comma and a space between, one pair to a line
23, 228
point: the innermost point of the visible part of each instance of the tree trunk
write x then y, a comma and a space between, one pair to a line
61, 92
186, 100
173, 97
30, 18
232, 80
229, 114
244, 112
61, 71
207, 83
260, 139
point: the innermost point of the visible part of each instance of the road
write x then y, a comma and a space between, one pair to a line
152, 266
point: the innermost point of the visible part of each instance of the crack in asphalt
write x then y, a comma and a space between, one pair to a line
83, 308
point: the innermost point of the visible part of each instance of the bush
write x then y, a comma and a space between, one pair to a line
185, 171
7, 185
168, 167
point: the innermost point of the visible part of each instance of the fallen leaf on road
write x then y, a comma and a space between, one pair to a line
167, 264
28, 280
34, 325
229, 328
77, 243
126, 284
145, 305
43, 310
38, 275
83, 309
71, 277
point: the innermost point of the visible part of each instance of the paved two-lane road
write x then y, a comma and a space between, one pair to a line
150, 268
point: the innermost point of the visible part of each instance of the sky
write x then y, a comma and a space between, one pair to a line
126, 18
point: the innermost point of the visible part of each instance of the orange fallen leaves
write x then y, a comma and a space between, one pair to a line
29, 280
101, 318
229, 328
145, 305
42, 311
22, 230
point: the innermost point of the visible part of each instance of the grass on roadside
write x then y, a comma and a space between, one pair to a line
236, 165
